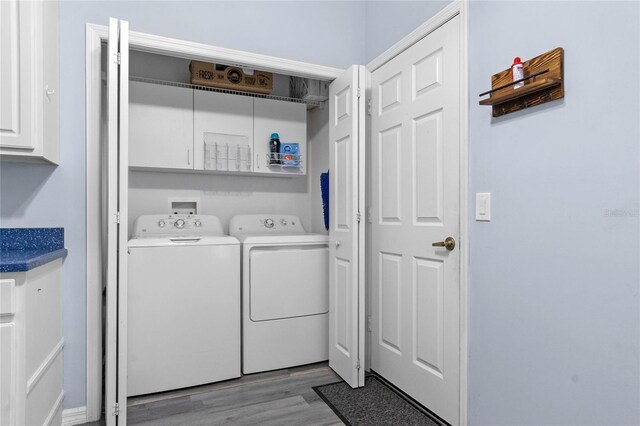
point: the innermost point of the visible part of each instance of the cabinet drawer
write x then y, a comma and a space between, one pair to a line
7, 297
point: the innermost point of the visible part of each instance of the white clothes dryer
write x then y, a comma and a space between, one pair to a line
285, 292
183, 303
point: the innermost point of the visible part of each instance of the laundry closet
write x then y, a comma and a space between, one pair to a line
199, 158
210, 146
205, 162
184, 166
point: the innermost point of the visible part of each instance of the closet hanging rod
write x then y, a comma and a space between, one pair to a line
220, 90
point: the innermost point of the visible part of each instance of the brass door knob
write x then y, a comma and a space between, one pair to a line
449, 243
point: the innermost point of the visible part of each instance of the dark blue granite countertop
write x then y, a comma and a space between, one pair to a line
22, 249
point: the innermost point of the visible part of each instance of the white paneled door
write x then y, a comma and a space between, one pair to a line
416, 202
346, 233
117, 229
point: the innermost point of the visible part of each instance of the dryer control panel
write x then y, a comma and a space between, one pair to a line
256, 224
176, 224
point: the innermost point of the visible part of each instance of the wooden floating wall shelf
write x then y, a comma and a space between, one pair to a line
543, 82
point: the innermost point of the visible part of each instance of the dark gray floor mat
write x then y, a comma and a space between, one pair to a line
373, 404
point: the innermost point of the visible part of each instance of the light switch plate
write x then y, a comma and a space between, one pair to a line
483, 206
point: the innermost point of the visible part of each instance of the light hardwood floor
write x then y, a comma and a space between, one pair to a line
282, 397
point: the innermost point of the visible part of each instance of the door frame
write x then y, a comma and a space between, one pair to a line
456, 8
95, 35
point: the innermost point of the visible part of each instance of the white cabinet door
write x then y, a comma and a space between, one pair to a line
223, 128
161, 126
289, 120
8, 392
28, 80
14, 110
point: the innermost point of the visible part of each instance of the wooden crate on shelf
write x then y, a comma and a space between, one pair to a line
233, 78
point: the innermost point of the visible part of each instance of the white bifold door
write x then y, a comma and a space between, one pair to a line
346, 233
416, 141
117, 232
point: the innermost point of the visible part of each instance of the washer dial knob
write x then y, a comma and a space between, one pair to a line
197, 223
268, 223
161, 223
283, 222
179, 223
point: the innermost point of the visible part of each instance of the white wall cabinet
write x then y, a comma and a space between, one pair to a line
29, 81
289, 120
223, 131
160, 126
31, 346
182, 128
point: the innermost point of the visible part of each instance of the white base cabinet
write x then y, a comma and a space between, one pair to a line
31, 346
29, 77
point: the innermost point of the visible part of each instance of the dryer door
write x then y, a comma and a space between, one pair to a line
288, 281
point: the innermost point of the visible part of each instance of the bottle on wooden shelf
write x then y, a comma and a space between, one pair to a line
517, 72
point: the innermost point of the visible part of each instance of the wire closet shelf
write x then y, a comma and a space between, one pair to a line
220, 90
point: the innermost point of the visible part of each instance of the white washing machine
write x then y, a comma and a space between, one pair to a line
285, 292
183, 303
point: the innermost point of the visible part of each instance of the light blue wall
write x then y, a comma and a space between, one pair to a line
386, 22
555, 319
328, 33
554, 278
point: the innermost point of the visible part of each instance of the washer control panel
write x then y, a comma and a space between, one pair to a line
176, 224
265, 224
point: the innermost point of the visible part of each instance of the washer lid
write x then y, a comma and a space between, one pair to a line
182, 240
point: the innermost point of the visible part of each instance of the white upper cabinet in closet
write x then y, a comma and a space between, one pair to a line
223, 131
289, 120
29, 81
180, 128
160, 126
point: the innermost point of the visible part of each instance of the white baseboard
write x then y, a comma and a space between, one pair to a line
74, 416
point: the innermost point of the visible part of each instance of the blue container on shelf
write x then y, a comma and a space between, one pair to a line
274, 149
290, 154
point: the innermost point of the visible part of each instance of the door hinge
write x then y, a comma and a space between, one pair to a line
357, 364
118, 58
369, 323
358, 93
369, 215
116, 409
369, 106
117, 217
358, 217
